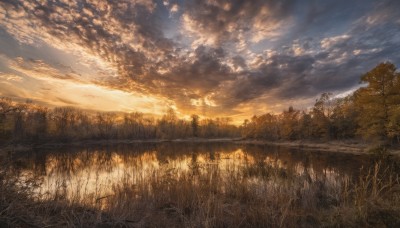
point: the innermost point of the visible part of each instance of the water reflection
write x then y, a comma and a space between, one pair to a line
96, 172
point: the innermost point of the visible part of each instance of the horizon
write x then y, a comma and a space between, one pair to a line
212, 58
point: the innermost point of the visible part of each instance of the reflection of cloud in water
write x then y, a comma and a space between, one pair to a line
81, 174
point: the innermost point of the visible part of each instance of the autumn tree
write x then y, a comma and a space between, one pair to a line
208, 128
133, 125
245, 129
320, 117
6, 107
39, 123
266, 126
290, 124
379, 102
343, 118
305, 122
195, 124
105, 123
61, 117
167, 125
85, 124
19, 121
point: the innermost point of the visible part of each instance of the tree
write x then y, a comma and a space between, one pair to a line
39, 124
379, 102
245, 129
343, 118
19, 128
61, 117
85, 124
266, 126
195, 124
6, 107
105, 123
320, 117
290, 124
305, 123
133, 125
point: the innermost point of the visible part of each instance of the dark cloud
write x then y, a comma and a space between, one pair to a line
202, 72
283, 75
233, 21
336, 66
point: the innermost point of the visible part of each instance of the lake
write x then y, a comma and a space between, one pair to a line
95, 173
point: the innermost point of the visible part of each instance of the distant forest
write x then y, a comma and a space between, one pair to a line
372, 112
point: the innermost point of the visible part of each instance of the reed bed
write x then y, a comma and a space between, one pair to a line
253, 195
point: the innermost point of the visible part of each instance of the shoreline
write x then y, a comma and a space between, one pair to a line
335, 146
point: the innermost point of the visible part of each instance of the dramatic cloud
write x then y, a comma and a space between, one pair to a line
214, 57
218, 22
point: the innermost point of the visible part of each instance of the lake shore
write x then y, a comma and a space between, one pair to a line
334, 146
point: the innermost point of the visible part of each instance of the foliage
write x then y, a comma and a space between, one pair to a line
379, 102
373, 112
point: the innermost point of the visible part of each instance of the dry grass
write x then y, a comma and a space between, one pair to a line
257, 195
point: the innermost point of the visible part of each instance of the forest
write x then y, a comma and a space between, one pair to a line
372, 112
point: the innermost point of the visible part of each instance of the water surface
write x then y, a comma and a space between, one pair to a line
98, 172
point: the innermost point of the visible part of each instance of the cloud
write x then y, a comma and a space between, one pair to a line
10, 77
222, 56
44, 84
217, 22
174, 8
114, 31
41, 70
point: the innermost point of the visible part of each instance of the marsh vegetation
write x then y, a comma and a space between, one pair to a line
198, 185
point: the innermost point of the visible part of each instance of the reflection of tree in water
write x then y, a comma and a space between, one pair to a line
212, 155
318, 163
129, 163
71, 161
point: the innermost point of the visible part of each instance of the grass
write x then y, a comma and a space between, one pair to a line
208, 195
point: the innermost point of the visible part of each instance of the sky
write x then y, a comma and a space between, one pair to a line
212, 57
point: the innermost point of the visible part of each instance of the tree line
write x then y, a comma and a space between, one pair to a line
372, 112
26, 122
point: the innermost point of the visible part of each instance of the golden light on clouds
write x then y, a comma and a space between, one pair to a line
105, 99
214, 58
60, 92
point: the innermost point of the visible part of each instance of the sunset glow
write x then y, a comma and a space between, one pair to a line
213, 58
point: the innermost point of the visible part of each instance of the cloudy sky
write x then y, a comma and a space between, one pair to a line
211, 57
